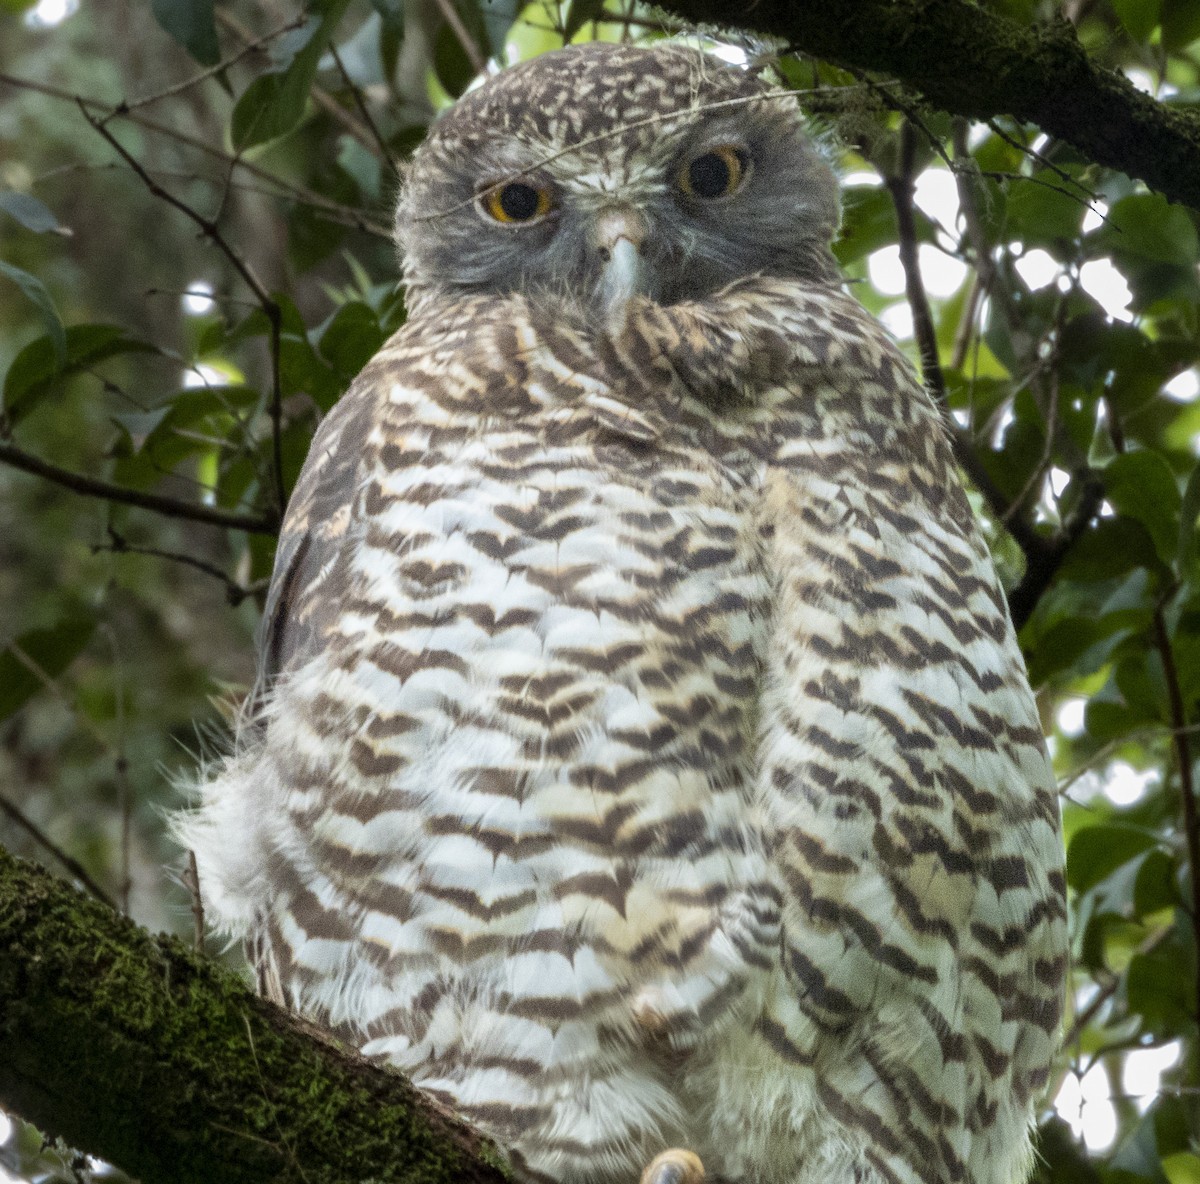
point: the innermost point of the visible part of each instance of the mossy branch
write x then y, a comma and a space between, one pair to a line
137, 1049
968, 60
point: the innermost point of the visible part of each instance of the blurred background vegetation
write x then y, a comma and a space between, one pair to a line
195, 261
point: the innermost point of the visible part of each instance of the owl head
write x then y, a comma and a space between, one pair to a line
599, 171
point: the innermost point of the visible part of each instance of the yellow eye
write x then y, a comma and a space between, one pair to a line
517, 201
715, 173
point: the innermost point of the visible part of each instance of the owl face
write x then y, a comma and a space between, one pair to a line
600, 171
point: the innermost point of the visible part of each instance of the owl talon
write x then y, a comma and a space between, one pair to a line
675, 1166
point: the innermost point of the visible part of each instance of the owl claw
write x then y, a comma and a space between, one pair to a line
675, 1166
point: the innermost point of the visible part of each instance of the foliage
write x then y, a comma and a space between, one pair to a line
195, 261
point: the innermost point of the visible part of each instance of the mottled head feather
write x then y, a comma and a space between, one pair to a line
616, 123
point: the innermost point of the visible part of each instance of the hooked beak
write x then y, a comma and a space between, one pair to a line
619, 234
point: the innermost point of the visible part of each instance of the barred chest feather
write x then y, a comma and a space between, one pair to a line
641, 770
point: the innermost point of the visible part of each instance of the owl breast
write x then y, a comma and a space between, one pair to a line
524, 850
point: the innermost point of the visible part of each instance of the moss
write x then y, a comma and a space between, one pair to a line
138, 1049
972, 61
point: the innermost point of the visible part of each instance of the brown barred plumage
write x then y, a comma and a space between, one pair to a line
643, 756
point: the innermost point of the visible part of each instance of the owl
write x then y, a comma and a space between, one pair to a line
642, 759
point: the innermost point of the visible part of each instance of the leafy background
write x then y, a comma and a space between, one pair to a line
195, 261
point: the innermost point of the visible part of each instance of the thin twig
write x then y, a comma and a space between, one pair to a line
333, 212
1109, 989
270, 308
1187, 786
473, 52
911, 116
349, 215
235, 593
191, 881
1048, 364
77, 870
1106, 750
206, 226
901, 186
128, 105
121, 770
1045, 162
361, 103
1044, 556
169, 506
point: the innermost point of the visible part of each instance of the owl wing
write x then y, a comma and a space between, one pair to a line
903, 773
906, 773
314, 529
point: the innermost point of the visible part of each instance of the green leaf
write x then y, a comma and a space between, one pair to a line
1147, 225
868, 222
450, 62
1141, 485
1097, 851
1155, 887
1180, 23
36, 368
1160, 987
33, 214
1140, 17
1138, 1154
579, 13
1041, 212
191, 23
53, 650
273, 104
36, 293
351, 339
392, 13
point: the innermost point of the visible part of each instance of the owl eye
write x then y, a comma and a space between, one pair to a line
516, 201
716, 173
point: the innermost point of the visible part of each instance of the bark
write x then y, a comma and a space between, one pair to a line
137, 1049
968, 60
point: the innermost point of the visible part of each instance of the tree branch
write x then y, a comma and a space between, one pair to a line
139, 1050
900, 185
1044, 556
1187, 785
170, 506
969, 60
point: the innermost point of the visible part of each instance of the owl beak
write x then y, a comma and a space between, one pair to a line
619, 234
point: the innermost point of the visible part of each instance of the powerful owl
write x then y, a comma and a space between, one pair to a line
642, 758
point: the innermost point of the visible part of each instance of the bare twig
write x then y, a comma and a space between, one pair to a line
1106, 750
349, 215
908, 110
15, 814
191, 881
318, 93
1048, 364
171, 507
1108, 990
1044, 556
128, 105
900, 186
361, 103
270, 308
121, 769
473, 52
1046, 163
235, 593
1187, 786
